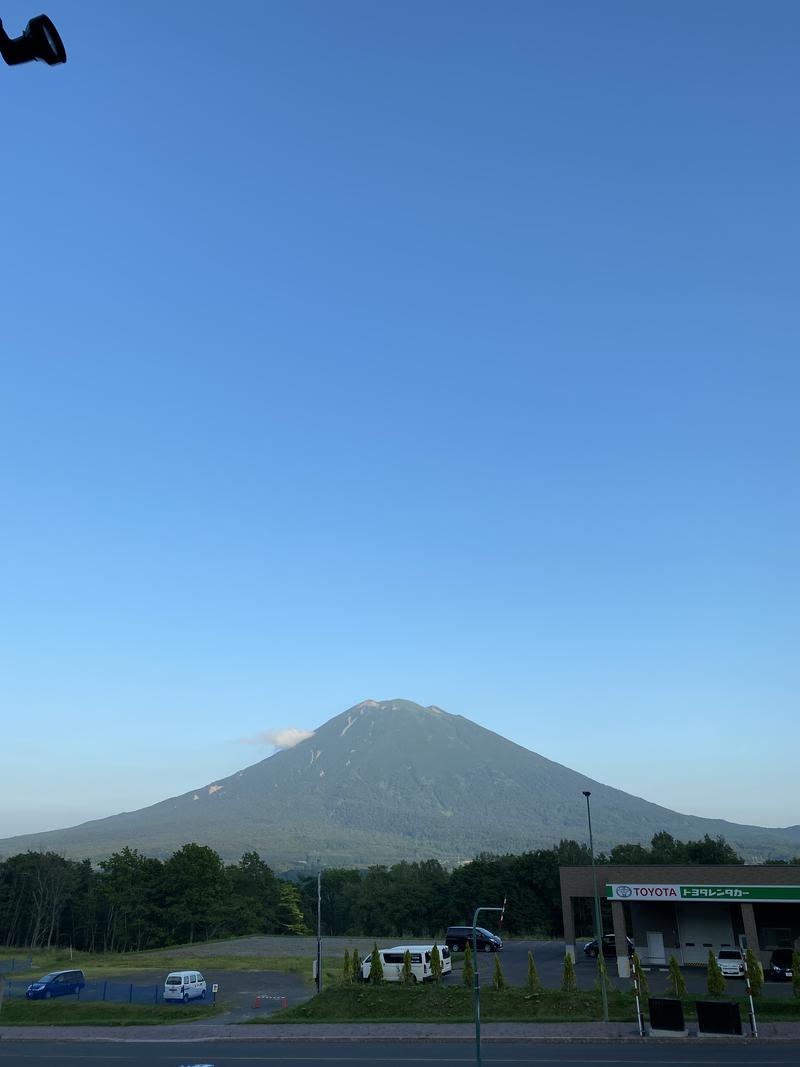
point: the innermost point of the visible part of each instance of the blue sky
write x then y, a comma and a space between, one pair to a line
445, 351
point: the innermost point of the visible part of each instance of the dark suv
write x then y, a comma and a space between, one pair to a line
609, 946
780, 965
457, 937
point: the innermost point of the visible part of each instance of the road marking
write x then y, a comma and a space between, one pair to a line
610, 1056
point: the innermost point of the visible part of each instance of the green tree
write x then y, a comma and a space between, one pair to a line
644, 989
347, 974
675, 982
253, 897
339, 898
665, 849
288, 913
129, 891
629, 854
530, 881
468, 973
195, 893
754, 973
407, 896
407, 976
498, 978
80, 916
796, 974
45, 888
356, 965
569, 983
716, 980
436, 964
533, 984
712, 850
375, 966
571, 853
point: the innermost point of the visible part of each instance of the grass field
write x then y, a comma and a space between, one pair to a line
76, 1013
449, 1004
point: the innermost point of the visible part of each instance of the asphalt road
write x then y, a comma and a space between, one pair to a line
394, 1054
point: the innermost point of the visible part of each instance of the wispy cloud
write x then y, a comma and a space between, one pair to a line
288, 737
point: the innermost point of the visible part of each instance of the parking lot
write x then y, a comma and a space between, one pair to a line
241, 990
549, 958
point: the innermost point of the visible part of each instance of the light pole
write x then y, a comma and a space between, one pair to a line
598, 921
476, 980
319, 931
39, 40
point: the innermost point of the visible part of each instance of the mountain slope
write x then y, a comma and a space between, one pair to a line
391, 780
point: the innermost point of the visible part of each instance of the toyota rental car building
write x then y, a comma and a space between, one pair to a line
685, 911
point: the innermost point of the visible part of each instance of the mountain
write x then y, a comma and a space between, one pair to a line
390, 780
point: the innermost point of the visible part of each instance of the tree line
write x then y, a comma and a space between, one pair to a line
424, 898
131, 902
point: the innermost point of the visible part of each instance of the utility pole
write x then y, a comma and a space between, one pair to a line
598, 919
319, 931
476, 978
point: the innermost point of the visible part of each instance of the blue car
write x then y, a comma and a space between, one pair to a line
56, 984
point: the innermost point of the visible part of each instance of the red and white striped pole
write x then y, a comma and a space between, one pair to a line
635, 977
753, 1025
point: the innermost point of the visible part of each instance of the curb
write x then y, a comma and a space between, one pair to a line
273, 1034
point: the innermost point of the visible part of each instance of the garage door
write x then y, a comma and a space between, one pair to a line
703, 927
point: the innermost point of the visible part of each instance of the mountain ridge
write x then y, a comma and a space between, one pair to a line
390, 780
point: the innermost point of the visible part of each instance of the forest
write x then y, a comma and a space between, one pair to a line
131, 902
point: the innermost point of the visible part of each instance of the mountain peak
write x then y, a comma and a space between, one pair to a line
391, 780
398, 708
396, 704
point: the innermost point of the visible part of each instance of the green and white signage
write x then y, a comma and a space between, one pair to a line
742, 893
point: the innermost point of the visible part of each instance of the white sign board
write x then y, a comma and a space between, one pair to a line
636, 891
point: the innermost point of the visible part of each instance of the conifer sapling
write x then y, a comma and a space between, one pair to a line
569, 983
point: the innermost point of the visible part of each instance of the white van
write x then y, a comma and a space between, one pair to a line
185, 985
392, 962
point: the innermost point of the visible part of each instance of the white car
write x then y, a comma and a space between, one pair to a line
393, 960
185, 986
731, 962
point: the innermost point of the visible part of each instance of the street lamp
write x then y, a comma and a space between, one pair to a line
598, 921
476, 978
319, 932
39, 40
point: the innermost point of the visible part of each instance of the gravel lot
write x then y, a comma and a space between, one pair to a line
277, 947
